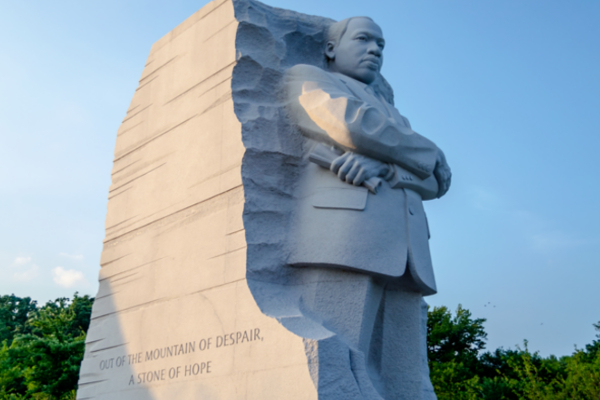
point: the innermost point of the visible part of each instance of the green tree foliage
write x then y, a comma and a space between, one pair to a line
453, 345
14, 313
41, 349
460, 371
42, 358
458, 339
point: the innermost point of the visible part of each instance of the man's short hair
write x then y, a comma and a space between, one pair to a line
336, 31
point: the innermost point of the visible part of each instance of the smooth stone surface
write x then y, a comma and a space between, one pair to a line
174, 317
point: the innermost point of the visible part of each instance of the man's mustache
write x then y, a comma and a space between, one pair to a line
373, 59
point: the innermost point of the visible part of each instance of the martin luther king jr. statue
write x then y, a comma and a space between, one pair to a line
360, 229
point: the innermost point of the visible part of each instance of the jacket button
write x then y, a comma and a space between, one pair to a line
410, 210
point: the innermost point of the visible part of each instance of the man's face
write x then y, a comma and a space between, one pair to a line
359, 53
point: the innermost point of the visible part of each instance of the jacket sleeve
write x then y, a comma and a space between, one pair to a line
326, 110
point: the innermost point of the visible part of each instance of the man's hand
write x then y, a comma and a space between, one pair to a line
355, 169
442, 174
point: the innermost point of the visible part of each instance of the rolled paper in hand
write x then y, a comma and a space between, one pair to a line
323, 156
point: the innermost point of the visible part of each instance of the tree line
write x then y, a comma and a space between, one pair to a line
42, 348
461, 370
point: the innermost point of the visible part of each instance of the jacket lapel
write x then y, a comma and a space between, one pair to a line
366, 94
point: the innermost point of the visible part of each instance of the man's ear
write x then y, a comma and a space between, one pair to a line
330, 50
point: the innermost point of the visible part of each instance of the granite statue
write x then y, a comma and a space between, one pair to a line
367, 240
265, 233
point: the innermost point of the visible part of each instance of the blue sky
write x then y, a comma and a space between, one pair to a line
509, 89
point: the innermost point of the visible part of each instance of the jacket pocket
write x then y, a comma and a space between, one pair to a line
351, 198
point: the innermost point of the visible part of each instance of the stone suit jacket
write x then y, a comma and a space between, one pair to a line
343, 226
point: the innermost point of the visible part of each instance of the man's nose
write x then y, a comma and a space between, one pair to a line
374, 49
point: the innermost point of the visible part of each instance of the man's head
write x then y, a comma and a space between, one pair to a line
355, 48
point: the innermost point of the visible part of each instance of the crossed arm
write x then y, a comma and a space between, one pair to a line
327, 111
355, 169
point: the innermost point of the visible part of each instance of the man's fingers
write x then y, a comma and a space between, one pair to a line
338, 162
345, 168
353, 172
356, 169
360, 177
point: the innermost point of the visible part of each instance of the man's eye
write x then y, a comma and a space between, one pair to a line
363, 38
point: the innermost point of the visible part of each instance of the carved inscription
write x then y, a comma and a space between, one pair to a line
203, 367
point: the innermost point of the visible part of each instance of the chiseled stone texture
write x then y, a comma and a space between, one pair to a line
174, 317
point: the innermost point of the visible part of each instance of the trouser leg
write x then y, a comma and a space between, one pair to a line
402, 343
345, 303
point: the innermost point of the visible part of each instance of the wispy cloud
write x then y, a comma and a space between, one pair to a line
25, 270
28, 274
68, 277
22, 260
75, 257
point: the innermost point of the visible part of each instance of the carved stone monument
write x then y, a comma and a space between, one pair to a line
265, 234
